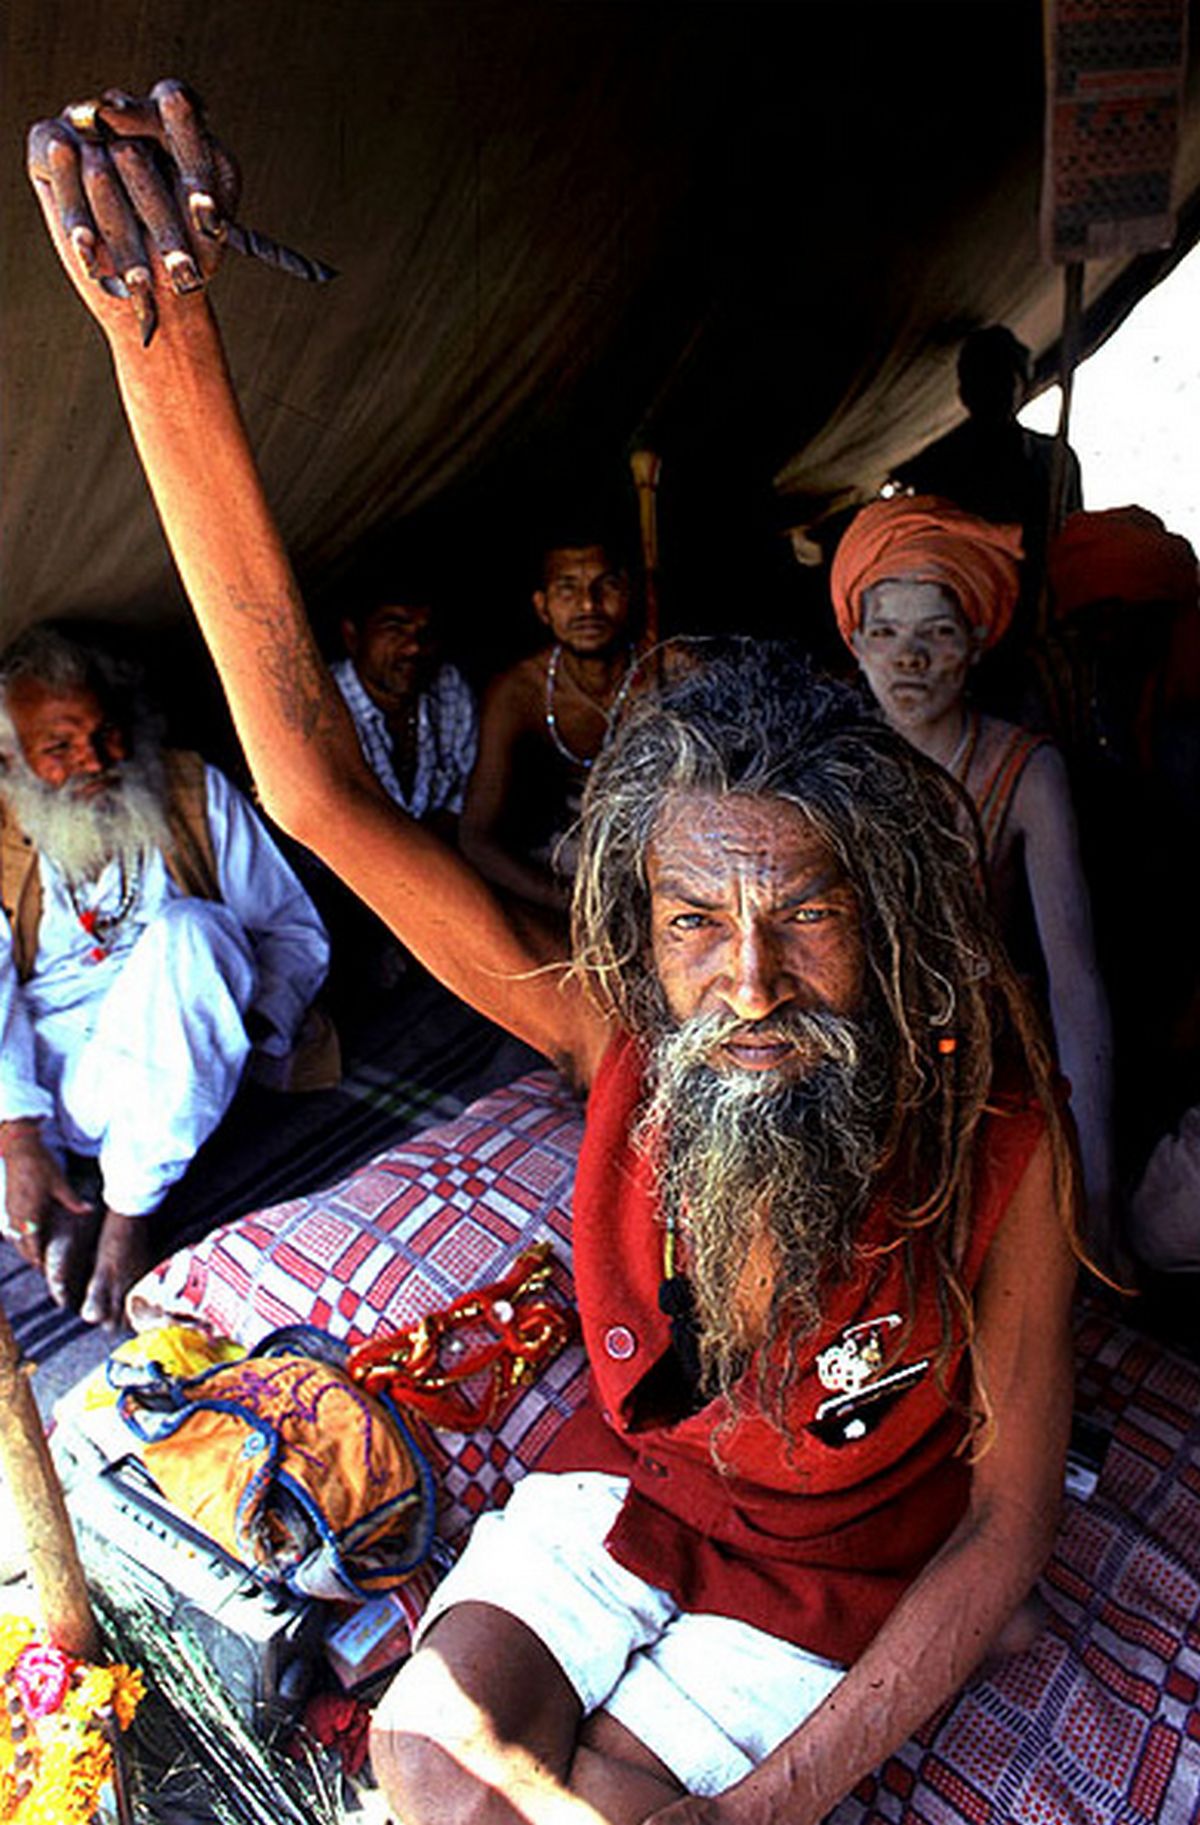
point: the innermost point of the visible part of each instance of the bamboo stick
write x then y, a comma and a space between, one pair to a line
41, 1511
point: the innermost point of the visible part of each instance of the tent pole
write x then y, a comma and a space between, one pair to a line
647, 467
41, 1511
1068, 359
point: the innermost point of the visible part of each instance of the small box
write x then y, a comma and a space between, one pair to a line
368, 1642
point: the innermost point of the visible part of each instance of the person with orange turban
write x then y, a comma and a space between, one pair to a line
1122, 554
921, 589
923, 537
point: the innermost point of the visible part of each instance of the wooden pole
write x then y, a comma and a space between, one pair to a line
1068, 360
647, 467
41, 1511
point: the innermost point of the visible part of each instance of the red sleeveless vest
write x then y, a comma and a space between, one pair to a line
811, 1540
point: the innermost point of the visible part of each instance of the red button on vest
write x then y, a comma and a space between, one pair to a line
619, 1342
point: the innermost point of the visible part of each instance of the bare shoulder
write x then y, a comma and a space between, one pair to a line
1034, 1233
1042, 802
515, 698
1043, 792
1023, 1341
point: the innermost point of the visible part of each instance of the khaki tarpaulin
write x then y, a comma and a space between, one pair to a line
747, 235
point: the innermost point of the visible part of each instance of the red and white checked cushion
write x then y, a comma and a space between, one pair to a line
449, 1210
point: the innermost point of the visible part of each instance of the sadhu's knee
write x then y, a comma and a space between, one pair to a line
427, 1742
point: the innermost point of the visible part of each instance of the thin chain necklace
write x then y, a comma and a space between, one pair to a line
100, 926
610, 715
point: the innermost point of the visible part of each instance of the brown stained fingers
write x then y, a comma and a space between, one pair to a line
189, 145
117, 223
154, 204
130, 116
54, 161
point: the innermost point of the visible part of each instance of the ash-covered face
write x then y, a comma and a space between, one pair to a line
751, 918
916, 650
768, 1073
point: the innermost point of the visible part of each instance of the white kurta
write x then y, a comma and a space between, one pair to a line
134, 1057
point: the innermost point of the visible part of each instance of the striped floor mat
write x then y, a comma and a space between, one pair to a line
420, 1058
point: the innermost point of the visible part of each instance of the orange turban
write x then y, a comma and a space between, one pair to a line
1124, 554
926, 540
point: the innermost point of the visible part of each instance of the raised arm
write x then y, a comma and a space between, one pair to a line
186, 424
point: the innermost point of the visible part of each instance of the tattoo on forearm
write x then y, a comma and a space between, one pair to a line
290, 664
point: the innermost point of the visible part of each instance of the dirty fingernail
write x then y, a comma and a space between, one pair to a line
141, 295
206, 216
84, 243
182, 270
82, 115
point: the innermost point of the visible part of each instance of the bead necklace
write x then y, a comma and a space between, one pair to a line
610, 715
102, 926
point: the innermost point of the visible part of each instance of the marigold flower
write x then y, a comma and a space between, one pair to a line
16, 1632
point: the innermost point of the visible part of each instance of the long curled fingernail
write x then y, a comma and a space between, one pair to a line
84, 243
141, 295
182, 270
206, 217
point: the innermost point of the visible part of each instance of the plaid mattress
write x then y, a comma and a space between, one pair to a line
449, 1210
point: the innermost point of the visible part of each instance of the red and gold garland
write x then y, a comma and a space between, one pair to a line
500, 1335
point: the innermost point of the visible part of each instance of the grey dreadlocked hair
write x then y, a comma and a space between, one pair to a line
752, 718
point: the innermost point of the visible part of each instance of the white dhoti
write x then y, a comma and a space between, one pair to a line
146, 1086
128, 1049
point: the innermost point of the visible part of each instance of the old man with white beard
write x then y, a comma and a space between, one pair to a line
153, 937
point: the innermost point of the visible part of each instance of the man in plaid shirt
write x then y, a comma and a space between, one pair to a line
416, 720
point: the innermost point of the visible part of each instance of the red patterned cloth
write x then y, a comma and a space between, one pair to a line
1114, 96
1099, 1722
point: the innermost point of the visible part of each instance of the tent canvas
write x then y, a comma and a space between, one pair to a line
749, 234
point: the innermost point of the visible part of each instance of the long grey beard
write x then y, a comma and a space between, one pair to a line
750, 1159
81, 835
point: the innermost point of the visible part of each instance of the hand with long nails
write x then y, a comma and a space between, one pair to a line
137, 196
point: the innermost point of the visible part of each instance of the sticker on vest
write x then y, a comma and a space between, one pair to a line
860, 1393
857, 1356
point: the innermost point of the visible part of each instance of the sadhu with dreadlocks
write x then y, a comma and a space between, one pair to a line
824, 1204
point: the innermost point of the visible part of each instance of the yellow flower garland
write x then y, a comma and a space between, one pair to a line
54, 1767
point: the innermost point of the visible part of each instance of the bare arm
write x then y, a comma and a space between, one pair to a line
504, 720
946, 1622
1043, 815
298, 737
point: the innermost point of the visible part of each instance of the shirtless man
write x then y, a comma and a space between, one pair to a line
791, 1012
543, 723
921, 590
